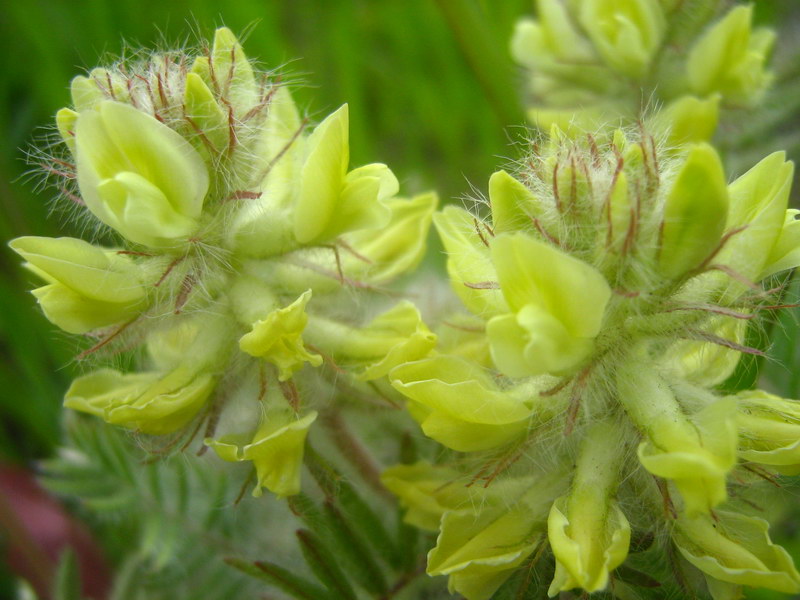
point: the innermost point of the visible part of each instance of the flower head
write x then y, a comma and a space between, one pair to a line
596, 62
612, 286
235, 231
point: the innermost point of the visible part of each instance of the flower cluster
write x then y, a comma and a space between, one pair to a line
239, 245
609, 294
592, 62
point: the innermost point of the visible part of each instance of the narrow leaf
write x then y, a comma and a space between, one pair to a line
322, 562
287, 582
369, 524
359, 558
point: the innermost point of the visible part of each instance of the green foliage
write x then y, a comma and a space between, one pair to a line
165, 523
172, 527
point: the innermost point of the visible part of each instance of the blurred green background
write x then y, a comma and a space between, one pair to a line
432, 92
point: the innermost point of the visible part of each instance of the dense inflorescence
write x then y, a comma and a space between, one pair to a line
243, 250
594, 62
609, 296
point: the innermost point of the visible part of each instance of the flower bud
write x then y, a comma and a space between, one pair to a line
232, 72
758, 203
85, 93
730, 58
626, 33
469, 264
689, 119
66, 119
552, 36
785, 253
620, 214
204, 112
695, 213
513, 205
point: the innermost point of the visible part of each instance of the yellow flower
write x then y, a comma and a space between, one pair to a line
393, 338
551, 328
427, 491
695, 452
735, 548
150, 402
137, 175
87, 287
277, 338
459, 405
769, 430
587, 530
331, 200
276, 449
479, 549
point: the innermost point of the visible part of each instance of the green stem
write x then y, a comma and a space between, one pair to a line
352, 449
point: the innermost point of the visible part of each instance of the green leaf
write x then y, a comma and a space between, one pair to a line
360, 561
355, 507
322, 562
294, 586
369, 524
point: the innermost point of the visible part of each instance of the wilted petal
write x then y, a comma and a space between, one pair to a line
276, 449
277, 338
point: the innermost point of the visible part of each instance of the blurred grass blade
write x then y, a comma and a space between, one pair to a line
485, 56
67, 583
